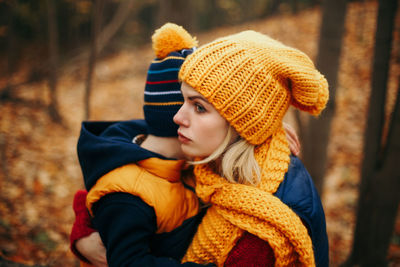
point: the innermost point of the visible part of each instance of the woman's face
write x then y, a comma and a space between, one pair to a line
201, 128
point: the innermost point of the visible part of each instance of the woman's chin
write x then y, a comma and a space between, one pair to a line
188, 152
191, 153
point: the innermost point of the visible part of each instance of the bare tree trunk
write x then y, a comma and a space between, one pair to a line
383, 201
380, 184
318, 129
176, 11
11, 41
11, 52
96, 24
123, 12
272, 8
53, 49
295, 6
216, 19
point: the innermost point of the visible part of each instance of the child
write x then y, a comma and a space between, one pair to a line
142, 209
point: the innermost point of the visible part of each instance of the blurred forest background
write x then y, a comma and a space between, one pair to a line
65, 61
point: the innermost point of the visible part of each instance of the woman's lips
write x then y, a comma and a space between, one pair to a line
183, 139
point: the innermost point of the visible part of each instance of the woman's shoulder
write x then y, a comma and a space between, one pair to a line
298, 192
297, 183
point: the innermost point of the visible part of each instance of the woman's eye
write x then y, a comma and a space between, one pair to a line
199, 108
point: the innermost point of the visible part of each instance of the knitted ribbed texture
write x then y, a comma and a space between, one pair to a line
162, 93
238, 207
252, 79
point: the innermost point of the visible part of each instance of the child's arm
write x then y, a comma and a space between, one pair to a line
85, 241
127, 225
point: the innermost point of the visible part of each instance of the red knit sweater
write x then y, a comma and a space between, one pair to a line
249, 251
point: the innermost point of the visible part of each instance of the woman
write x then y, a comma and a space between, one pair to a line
214, 127
236, 91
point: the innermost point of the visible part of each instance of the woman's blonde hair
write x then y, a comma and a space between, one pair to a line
234, 161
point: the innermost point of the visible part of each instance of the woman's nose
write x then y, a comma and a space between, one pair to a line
179, 117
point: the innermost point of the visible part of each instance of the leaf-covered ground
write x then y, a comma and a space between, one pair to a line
39, 170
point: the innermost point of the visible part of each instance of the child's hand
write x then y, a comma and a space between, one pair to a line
92, 248
293, 139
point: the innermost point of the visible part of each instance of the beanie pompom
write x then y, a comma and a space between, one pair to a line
171, 37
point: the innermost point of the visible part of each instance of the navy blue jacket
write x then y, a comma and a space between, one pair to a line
104, 146
127, 225
298, 192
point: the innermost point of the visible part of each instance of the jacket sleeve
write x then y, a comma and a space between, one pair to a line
82, 226
126, 225
250, 251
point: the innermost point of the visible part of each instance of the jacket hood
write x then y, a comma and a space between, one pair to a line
104, 146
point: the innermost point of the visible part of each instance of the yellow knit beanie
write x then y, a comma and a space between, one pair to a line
252, 79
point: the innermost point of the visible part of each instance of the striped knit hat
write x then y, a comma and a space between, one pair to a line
252, 79
162, 94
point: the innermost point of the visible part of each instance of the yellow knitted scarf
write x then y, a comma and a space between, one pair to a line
237, 208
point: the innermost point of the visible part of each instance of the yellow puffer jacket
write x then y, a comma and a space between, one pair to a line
158, 183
